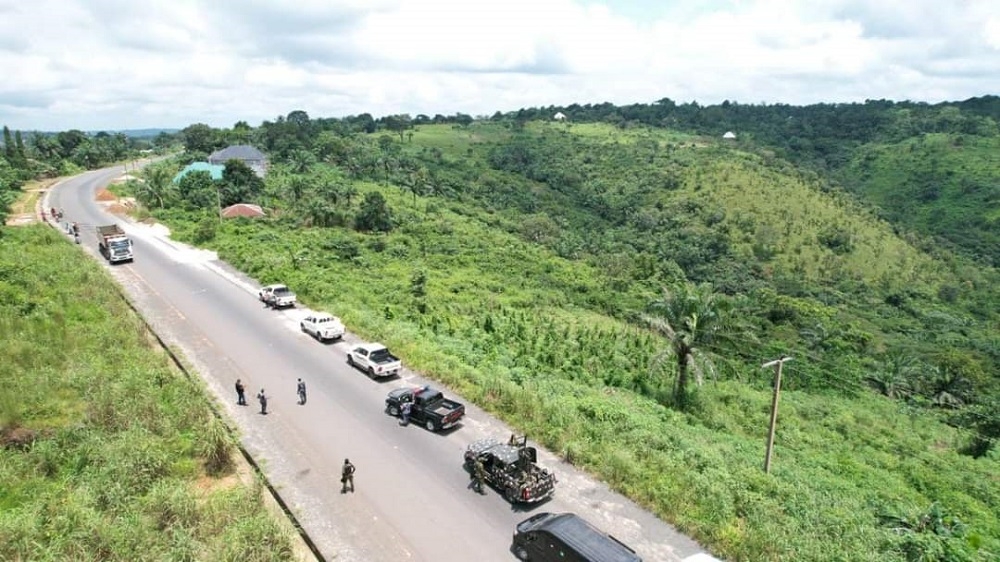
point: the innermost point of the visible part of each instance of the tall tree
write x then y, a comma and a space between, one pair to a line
8, 144
239, 183
200, 138
374, 215
689, 317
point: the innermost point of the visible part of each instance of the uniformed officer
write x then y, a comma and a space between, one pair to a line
346, 476
479, 476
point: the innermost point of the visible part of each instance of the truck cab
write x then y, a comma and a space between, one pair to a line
114, 244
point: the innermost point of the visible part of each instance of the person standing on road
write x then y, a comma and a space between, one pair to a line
404, 411
479, 476
241, 396
263, 401
301, 389
346, 476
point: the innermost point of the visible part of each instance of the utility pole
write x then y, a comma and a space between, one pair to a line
777, 363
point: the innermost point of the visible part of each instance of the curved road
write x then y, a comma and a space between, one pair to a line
412, 501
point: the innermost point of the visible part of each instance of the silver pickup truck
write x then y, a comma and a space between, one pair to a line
277, 296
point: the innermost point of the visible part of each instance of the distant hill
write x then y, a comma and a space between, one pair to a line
139, 133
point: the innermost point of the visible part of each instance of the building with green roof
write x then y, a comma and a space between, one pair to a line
214, 169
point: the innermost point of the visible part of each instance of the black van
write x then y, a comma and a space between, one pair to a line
565, 537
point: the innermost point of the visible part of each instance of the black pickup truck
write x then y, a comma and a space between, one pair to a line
427, 407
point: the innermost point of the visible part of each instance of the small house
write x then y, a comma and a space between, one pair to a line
560, 116
729, 135
253, 158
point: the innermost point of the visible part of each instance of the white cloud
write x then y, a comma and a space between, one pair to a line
112, 64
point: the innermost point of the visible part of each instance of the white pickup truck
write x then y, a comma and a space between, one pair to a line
277, 296
322, 326
374, 359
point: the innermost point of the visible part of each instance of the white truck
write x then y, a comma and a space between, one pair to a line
113, 243
322, 326
277, 296
374, 359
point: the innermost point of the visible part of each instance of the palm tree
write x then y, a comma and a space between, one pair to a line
690, 318
158, 186
894, 375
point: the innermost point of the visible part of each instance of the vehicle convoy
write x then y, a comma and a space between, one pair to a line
561, 537
427, 407
322, 326
374, 359
113, 243
511, 469
277, 296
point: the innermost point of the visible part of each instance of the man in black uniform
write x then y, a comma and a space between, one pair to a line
263, 401
301, 389
346, 476
241, 396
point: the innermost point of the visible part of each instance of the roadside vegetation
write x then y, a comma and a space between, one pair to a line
106, 452
611, 285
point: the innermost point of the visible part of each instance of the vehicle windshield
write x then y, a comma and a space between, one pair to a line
120, 245
281, 291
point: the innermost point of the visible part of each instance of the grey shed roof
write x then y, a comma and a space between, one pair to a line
238, 152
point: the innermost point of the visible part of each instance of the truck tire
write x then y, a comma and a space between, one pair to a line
371, 372
430, 425
520, 553
302, 327
394, 411
350, 360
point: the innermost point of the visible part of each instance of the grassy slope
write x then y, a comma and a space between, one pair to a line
117, 471
943, 185
555, 367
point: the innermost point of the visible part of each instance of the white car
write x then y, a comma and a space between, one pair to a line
322, 326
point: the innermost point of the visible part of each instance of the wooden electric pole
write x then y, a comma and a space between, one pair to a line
777, 363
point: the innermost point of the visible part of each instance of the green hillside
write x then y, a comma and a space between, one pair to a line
517, 260
552, 272
945, 185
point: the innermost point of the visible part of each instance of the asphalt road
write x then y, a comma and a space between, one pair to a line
412, 500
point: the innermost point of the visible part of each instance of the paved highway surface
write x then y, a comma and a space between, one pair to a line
412, 501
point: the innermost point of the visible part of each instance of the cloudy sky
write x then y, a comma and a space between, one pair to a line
125, 64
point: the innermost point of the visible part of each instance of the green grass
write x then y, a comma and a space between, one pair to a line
117, 469
943, 185
543, 245
568, 376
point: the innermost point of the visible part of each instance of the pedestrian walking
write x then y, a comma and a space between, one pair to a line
405, 413
263, 401
301, 389
241, 396
346, 476
478, 476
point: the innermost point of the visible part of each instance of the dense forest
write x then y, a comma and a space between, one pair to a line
613, 282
